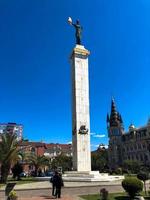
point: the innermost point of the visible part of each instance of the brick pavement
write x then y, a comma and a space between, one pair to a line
47, 197
44, 197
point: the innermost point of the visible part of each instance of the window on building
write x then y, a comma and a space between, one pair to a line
135, 147
32, 150
144, 146
141, 157
143, 133
145, 157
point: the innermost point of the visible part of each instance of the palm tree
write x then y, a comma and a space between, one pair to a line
38, 162
8, 153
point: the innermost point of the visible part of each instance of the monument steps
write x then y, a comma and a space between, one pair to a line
92, 176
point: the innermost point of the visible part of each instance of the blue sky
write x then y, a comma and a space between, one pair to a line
35, 45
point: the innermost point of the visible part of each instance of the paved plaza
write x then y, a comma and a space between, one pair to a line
48, 197
34, 191
71, 191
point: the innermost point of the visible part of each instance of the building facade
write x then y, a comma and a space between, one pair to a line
54, 150
41, 149
131, 145
12, 128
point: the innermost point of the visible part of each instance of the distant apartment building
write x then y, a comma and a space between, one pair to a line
39, 149
36, 148
131, 145
54, 150
12, 128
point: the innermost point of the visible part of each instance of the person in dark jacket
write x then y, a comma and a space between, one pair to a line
58, 183
53, 185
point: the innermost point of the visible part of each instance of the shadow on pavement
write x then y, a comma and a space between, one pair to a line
47, 197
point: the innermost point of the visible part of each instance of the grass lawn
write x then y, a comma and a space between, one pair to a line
1, 185
112, 196
130, 175
22, 181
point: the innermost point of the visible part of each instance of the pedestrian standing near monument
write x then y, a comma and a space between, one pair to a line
53, 185
57, 183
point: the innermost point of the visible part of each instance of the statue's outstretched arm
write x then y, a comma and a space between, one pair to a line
74, 25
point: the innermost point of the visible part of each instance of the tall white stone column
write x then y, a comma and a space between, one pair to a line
80, 110
81, 122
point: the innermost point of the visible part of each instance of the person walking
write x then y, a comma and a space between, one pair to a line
58, 183
53, 185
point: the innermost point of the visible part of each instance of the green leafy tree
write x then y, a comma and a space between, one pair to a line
62, 161
131, 166
8, 153
99, 160
118, 171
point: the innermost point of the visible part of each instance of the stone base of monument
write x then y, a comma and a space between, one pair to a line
92, 176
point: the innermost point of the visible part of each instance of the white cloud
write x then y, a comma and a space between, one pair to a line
92, 133
95, 145
99, 135
106, 146
98, 145
70, 142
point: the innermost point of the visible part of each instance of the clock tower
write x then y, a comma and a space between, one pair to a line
115, 131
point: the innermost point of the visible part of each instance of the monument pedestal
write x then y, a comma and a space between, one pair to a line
92, 176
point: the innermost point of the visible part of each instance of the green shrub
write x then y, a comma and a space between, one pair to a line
12, 195
143, 176
132, 186
119, 171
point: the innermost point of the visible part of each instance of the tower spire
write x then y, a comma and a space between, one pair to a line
121, 121
148, 123
115, 117
107, 120
113, 114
